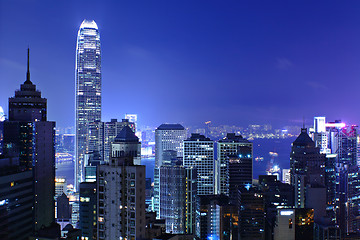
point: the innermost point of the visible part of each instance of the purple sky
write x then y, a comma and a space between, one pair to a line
232, 62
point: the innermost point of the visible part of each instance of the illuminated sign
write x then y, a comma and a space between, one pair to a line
286, 212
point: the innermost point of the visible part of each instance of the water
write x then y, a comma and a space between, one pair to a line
262, 147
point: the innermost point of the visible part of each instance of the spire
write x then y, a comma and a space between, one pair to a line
28, 69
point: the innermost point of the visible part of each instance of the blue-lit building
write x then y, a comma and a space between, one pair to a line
235, 164
88, 90
178, 192
199, 154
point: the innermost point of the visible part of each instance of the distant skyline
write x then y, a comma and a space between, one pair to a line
189, 62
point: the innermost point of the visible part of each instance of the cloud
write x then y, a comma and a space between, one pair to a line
6, 63
283, 63
316, 85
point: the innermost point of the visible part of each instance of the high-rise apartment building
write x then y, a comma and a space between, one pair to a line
88, 90
121, 191
235, 164
199, 153
29, 135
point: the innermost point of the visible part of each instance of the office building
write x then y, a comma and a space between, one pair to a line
199, 154
88, 90
178, 187
28, 133
235, 164
251, 213
307, 170
168, 137
121, 191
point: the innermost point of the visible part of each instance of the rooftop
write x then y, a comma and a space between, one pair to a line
167, 126
126, 135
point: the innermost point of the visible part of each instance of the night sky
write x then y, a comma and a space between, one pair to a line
232, 62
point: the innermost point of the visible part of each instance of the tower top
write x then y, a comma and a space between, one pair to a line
89, 24
28, 68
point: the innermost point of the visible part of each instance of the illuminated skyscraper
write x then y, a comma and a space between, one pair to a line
88, 90
234, 168
199, 153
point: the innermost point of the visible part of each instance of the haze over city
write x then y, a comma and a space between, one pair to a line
231, 63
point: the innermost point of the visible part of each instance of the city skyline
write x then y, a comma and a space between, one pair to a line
274, 51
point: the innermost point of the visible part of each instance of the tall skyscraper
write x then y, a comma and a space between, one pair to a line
199, 153
88, 90
30, 136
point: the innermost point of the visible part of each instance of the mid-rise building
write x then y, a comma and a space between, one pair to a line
199, 154
121, 191
88, 90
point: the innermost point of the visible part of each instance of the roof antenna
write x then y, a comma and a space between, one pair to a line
28, 67
303, 122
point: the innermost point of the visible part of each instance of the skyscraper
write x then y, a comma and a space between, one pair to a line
30, 136
199, 153
88, 90
168, 138
235, 168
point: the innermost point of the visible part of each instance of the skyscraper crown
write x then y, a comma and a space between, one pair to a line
88, 24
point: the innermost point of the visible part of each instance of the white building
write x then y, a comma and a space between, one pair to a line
199, 153
88, 90
121, 191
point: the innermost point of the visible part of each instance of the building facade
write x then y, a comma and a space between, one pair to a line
88, 90
168, 137
121, 191
178, 191
28, 135
235, 164
199, 154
